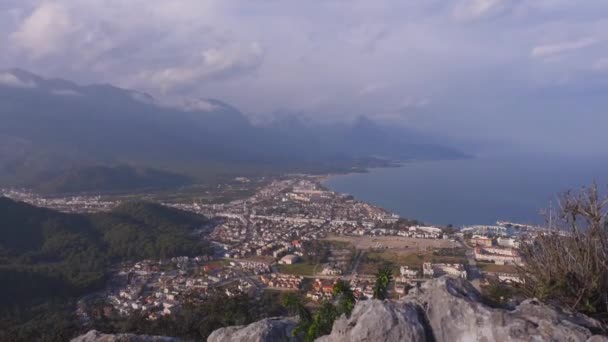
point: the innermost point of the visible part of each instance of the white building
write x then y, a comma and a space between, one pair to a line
289, 259
408, 272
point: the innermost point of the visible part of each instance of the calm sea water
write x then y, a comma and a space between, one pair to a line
472, 191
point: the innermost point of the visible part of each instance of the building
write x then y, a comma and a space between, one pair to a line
437, 270
507, 242
427, 269
481, 241
289, 259
502, 257
409, 272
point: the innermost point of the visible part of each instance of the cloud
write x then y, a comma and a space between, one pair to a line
414, 102
549, 50
373, 88
10, 80
475, 9
199, 105
214, 63
601, 64
65, 92
45, 31
332, 57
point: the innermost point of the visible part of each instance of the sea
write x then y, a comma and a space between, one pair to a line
474, 191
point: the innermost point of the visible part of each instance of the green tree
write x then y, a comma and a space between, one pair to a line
294, 305
344, 296
383, 278
322, 322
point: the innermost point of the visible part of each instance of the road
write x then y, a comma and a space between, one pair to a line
356, 262
472, 271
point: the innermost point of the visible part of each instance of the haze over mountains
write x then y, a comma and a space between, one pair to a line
64, 137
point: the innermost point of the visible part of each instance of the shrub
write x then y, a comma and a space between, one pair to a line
569, 264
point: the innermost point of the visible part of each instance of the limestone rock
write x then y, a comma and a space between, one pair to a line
454, 312
374, 320
96, 336
442, 310
267, 330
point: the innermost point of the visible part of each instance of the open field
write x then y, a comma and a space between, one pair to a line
266, 259
393, 243
302, 268
491, 267
375, 259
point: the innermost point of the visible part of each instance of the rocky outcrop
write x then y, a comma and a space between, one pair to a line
268, 330
442, 310
96, 336
453, 311
374, 320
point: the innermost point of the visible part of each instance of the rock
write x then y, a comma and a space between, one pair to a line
442, 310
454, 312
374, 320
96, 336
267, 330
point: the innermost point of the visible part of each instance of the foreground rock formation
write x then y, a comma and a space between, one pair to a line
96, 336
447, 310
268, 330
442, 310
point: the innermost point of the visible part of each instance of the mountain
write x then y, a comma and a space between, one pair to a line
48, 258
110, 178
73, 251
50, 127
363, 138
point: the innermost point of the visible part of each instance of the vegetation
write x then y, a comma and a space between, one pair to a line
499, 294
110, 178
295, 307
316, 251
310, 326
383, 278
569, 266
345, 297
48, 258
197, 320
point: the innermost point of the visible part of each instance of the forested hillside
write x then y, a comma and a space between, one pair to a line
48, 258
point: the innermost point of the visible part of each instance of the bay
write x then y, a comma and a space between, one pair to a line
472, 191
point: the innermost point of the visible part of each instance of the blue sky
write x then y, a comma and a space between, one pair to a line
532, 74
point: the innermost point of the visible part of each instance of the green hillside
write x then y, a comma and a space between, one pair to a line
47, 257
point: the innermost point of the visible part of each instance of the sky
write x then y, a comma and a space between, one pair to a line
523, 75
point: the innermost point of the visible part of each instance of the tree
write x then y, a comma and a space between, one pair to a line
383, 278
294, 305
322, 322
344, 296
569, 264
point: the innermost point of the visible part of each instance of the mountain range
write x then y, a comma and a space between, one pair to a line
55, 132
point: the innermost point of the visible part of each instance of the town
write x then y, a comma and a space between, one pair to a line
295, 235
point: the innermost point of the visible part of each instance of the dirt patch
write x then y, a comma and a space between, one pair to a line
393, 243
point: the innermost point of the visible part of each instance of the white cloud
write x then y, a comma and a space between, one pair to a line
475, 9
210, 64
549, 50
8, 79
45, 31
